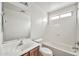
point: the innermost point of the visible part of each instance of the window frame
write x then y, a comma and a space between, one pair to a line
66, 15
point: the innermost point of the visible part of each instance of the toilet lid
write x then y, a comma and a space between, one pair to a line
45, 50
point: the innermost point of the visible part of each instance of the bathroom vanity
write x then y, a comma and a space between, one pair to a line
28, 48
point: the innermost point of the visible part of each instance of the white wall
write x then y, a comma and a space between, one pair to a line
39, 21
62, 31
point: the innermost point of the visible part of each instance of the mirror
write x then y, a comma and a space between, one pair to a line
16, 22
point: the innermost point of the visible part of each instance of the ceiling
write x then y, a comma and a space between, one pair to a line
51, 6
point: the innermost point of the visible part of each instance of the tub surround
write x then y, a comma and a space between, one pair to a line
11, 48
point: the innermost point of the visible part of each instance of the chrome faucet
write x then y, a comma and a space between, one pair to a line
21, 43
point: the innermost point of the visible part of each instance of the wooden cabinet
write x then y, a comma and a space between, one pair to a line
33, 52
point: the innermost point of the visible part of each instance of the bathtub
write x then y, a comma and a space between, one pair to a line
60, 49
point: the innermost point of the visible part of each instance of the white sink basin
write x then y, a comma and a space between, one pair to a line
24, 47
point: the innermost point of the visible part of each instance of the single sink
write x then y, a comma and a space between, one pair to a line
26, 47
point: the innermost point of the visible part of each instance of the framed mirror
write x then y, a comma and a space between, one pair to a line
16, 22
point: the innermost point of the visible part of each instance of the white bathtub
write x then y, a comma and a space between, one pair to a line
61, 49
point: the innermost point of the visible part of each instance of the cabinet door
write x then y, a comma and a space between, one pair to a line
34, 52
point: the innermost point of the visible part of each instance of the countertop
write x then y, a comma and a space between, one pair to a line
11, 49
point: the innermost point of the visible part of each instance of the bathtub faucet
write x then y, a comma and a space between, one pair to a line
75, 48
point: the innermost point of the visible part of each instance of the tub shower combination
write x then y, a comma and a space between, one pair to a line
62, 31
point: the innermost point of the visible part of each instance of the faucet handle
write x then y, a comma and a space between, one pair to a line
75, 48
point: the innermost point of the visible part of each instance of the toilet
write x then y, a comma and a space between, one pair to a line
44, 50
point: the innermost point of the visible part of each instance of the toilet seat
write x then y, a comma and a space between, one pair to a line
46, 51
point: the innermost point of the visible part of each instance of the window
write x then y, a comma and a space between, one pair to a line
55, 17
62, 16
66, 15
